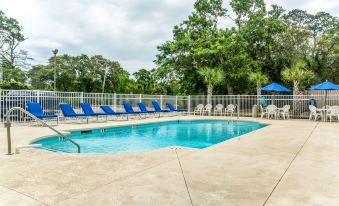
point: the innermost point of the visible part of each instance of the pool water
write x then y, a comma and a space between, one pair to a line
194, 134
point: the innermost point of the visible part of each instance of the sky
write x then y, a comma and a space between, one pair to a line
127, 31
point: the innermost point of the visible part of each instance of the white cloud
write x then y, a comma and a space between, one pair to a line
325, 5
127, 31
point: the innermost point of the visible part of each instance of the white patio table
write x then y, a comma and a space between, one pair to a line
324, 112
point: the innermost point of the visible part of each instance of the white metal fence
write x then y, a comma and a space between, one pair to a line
50, 101
299, 103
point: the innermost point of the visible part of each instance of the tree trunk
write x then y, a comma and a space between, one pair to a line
209, 93
229, 89
258, 89
296, 101
296, 88
258, 94
209, 89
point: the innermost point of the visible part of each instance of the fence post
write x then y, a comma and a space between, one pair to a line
140, 98
189, 103
81, 97
1, 120
115, 101
176, 102
161, 100
238, 106
38, 96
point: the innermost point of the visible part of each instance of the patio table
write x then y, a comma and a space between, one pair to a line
279, 110
323, 113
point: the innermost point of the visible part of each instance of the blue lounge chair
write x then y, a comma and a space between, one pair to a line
143, 108
87, 109
173, 109
68, 112
158, 108
129, 109
35, 109
108, 110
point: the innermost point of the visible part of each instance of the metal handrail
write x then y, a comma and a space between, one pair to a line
8, 126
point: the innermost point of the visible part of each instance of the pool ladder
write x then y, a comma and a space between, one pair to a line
8, 126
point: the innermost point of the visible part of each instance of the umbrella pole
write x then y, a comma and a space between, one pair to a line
325, 105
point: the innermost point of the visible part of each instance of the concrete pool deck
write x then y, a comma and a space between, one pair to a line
294, 162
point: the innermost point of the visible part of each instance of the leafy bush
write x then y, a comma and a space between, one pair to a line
12, 84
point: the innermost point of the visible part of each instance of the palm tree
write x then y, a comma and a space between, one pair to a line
212, 77
297, 74
259, 79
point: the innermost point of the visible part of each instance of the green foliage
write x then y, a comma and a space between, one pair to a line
299, 75
245, 9
11, 36
145, 81
259, 79
265, 41
12, 84
15, 74
80, 73
211, 77
191, 47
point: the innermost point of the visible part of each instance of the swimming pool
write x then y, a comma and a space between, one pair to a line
182, 133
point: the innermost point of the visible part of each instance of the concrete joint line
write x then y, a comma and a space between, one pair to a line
288, 167
123, 177
183, 175
26, 195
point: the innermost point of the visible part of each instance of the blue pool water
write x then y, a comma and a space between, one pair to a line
194, 134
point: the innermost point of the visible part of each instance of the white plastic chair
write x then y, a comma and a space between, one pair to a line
332, 112
263, 111
314, 113
198, 109
230, 109
218, 109
272, 111
285, 111
207, 109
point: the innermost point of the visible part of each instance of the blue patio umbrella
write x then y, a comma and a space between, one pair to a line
325, 86
275, 87
312, 87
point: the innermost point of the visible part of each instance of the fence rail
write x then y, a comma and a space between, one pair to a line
299, 103
50, 101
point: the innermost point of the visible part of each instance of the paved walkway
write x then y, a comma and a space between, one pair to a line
287, 163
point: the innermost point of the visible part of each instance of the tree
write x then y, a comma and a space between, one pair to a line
212, 77
320, 43
80, 73
11, 36
144, 80
41, 77
183, 55
244, 9
229, 52
11, 84
259, 79
298, 75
